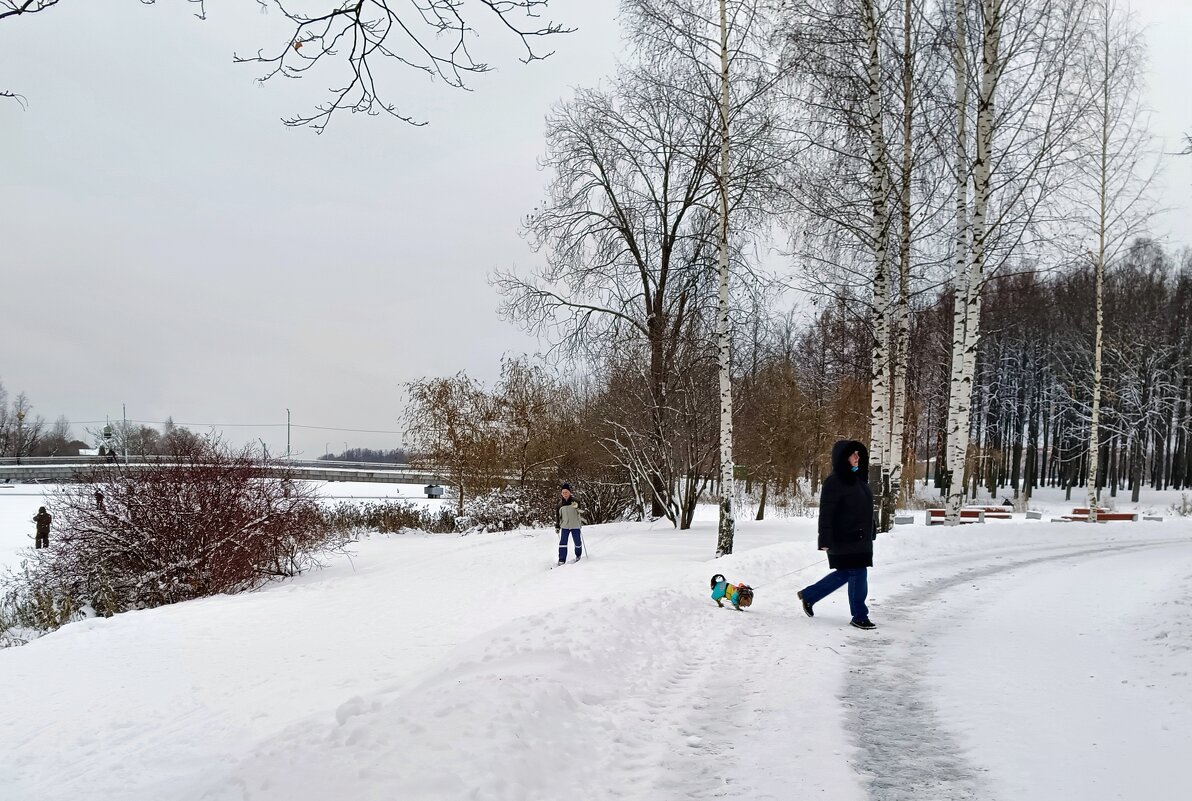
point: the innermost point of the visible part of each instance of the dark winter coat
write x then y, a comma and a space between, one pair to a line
846, 527
42, 519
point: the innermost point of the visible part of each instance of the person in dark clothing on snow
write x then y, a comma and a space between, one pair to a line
568, 519
846, 532
42, 519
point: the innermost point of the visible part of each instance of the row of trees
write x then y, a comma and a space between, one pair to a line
1034, 402
602, 430
911, 152
23, 433
373, 455
953, 144
800, 384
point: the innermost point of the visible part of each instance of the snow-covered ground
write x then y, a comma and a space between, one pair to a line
1014, 661
18, 504
364, 490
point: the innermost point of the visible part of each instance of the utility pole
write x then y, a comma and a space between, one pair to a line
287, 433
124, 414
20, 435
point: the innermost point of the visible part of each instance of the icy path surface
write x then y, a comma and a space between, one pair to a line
974, 687
1014, 661
1071, 677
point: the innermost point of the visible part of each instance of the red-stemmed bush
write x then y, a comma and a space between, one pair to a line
202, 521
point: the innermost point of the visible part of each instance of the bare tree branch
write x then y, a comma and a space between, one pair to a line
361, 39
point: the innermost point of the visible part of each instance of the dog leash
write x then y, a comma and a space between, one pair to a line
793, 572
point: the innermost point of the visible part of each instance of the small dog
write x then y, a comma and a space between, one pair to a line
736, 594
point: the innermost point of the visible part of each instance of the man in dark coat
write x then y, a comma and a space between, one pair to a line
42, 519
846, 532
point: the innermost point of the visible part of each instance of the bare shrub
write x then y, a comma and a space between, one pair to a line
391, 517
204, 522
528, 506
605, 494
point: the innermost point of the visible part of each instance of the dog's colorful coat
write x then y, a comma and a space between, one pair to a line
736, 594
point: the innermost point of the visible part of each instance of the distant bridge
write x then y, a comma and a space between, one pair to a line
62, 469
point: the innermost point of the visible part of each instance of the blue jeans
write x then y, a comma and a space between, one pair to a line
857, 579
579, 546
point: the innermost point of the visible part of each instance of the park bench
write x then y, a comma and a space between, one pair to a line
995, 512
1103, 516
936, 517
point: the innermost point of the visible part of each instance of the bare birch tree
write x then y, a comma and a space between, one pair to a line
901, 317
1028, 51
698, 33
879, 244
960, 381
727, 525
1113, 182
869, 90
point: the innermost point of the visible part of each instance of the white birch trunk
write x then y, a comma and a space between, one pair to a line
959, 395
902, 329
1094, 441
975, 278
879, 398
724, 539
1098, 319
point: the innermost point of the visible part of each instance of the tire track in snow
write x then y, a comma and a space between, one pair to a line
906, 753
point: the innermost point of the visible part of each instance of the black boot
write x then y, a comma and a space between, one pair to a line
863, 623
806, 604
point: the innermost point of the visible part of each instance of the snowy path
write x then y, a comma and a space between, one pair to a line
1070, 676
906, 733
442, 668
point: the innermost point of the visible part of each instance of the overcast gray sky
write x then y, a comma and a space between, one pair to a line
165, 242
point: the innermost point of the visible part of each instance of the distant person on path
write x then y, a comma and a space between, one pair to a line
568, 519
99, 499
42, 519
846, 532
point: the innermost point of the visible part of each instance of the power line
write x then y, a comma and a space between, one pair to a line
352, 430
245, 425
